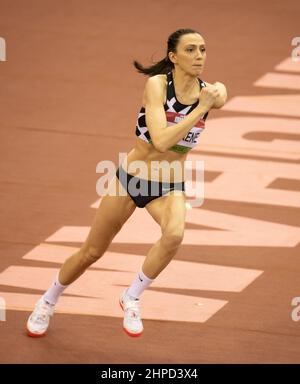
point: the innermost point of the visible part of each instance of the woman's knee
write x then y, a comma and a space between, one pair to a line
90, 254
172, 237
98, 241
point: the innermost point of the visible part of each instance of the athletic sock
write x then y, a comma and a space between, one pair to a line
53, 293
139, 284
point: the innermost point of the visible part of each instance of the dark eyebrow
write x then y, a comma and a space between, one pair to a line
195, 45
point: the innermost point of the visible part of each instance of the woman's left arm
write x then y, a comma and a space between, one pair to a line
221, 99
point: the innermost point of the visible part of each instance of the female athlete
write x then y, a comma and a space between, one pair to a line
175, 105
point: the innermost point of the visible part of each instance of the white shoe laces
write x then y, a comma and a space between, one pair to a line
132, 309
43, 311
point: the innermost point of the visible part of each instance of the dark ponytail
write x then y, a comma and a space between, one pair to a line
162, 66
165, 65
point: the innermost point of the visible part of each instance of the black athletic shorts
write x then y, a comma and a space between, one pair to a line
143, 191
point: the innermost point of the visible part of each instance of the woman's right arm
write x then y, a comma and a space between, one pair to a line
163, 136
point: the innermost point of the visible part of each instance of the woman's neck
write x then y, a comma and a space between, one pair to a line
183, 82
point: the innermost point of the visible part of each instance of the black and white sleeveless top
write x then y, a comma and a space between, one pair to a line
175, 111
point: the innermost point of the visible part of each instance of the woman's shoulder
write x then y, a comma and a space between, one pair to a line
156, 84
160, 79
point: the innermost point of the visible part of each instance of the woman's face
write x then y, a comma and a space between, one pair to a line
190, 54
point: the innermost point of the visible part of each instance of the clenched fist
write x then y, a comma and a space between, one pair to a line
208, 96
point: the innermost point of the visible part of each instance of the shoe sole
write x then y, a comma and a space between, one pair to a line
36, 335
126, 330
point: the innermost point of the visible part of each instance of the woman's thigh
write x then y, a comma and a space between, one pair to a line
169, 211
113, 211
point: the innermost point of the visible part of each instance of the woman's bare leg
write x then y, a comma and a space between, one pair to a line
111, 215
169, 212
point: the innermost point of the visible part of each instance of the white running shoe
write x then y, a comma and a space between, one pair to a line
38, 321
132, 323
